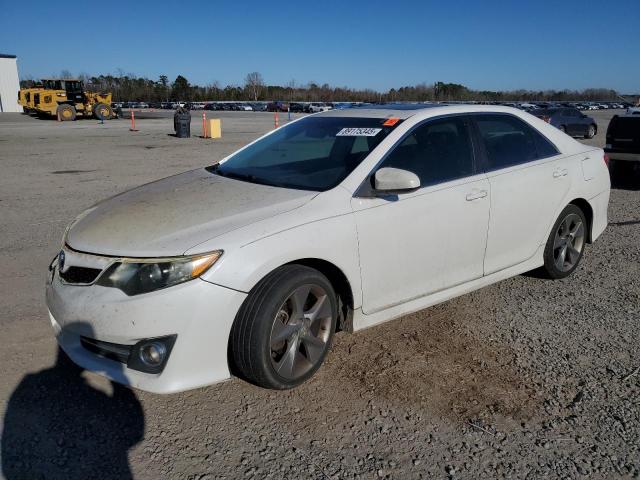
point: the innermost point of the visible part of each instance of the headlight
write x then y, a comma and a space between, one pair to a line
136, 276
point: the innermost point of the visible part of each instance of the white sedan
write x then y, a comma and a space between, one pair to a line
337, 221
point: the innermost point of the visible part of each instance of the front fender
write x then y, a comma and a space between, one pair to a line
331, 239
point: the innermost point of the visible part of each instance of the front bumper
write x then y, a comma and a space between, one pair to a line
199, 313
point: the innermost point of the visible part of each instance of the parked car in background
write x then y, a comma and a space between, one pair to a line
296, 107
344, 219
623, 140
315, 107
277, 107
569, 120
245, 107
527, 107
342, 105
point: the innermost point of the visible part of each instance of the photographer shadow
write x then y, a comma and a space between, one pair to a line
56, 425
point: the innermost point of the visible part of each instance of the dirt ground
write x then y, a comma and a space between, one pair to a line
527, 378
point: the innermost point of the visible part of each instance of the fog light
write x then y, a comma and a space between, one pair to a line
150, 355
153, 353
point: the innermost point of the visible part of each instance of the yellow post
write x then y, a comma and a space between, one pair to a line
215, 128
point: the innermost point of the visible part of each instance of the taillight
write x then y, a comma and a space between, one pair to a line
547, 119
606, 160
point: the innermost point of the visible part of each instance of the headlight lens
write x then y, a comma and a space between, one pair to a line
136, 276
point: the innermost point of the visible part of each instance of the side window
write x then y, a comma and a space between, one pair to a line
436, 151
510, 141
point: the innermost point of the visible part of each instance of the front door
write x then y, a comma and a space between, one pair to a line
431, 239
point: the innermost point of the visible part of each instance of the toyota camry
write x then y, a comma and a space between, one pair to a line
337, 221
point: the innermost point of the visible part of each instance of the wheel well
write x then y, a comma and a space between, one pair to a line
340, 284
583, 205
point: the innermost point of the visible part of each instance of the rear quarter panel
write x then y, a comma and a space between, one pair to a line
589, 181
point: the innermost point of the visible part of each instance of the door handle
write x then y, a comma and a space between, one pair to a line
475, 195
561, 172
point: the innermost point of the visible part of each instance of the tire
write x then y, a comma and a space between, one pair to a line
568, 235
591, 131
562, 128
272, 344
102, 110
66, 112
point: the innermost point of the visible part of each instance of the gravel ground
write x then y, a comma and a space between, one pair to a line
527, 378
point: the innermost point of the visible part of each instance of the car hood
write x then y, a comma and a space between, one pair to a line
175, 214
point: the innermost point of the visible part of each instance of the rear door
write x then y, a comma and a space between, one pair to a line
528, 179
574, 118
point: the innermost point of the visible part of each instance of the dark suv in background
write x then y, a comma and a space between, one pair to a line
623, 142
570, 120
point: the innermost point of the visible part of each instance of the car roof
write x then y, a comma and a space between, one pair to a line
407, 110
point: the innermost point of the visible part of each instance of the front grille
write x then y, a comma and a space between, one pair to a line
80, 275
112, 351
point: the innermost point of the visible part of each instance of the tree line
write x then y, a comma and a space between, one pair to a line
129, 87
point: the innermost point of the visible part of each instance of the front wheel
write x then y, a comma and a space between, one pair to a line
591, 131
565, 244
283, 331
103, 111
66, 112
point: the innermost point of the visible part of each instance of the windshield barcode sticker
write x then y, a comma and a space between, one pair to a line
358, 132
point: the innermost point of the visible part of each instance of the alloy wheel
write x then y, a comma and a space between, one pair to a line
301, 331
568, 242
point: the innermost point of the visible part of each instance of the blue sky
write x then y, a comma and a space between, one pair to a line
378, 44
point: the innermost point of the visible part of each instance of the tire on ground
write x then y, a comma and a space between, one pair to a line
249, 344
550, 269
102, 110
66, 112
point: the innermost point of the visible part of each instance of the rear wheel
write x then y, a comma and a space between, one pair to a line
103, 111
284, 329
562, 128
591, 131
565, 244
66, 112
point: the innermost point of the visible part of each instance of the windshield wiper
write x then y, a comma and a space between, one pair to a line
235, 175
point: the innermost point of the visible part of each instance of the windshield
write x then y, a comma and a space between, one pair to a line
315, 153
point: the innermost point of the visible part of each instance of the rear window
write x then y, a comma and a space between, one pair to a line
510, 141
547, 111
624, 127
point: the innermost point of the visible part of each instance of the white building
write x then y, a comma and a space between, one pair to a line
9, 84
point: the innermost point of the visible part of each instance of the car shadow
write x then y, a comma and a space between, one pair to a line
57, 426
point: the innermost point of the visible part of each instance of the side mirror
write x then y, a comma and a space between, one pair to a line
395, 180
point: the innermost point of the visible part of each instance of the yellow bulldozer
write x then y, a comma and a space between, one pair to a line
26, 98
66, 98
